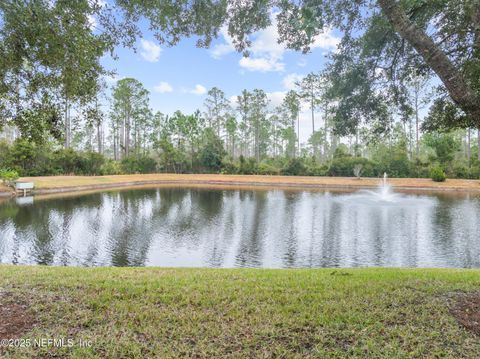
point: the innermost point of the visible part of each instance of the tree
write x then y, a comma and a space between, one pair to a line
444, 144
418, 91
129, 106
50, 49
212, 152
383, 41
187, 130
258, 122
290, 109
310, 91
316, 140
231, 127
244, 109
217, 108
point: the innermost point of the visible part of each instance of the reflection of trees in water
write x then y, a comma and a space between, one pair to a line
288, 230
32, 230
243, 228
250, 246
330, 246
444, 236
464, 249
130, 240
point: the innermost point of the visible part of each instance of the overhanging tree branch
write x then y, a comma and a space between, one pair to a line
459, 90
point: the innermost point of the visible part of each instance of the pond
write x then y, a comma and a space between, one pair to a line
271, 228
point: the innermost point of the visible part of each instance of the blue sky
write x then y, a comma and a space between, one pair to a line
179, 77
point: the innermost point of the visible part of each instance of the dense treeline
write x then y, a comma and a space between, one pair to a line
366, 108
188, 144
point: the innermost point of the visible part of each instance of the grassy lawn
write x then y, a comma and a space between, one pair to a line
155, 312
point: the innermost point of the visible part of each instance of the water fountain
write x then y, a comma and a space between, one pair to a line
384, 192
383, 195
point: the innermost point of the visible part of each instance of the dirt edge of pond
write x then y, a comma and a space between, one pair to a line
66, 184
466, 310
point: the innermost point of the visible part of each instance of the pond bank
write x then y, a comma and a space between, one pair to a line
153, 312
60, 184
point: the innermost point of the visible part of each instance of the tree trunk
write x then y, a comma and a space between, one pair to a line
325, 125
450, 75
417, 125
99, 137
313, 115
478, 144
67, 123
298, 133
115, 142
469, 146
127, 135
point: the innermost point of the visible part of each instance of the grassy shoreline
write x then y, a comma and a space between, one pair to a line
167, 312
56, 184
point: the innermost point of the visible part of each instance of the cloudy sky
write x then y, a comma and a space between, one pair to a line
179, 77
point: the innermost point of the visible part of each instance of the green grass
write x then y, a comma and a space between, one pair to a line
155, 312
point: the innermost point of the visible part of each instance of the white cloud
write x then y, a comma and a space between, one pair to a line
151, 51
266, 54
276, 98
289, 81
163, 87
92, 22
302, 62
262, 64
225, 48
326, 40
112, 79
233, 101
199, 90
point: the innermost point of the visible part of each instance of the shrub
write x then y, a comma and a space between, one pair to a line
345, 167
294, 167
475, 172
247, 166
68, 161
460, 170
267, 169
21, 156
437, 174
7, 175
92, 163
138, 164
110, 167
316, 170
212, 152
229, 167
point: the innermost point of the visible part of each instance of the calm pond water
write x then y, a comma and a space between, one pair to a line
242, 228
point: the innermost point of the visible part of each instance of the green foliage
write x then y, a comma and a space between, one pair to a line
294, 167
93, 163
316, 170
68, 161
110, 167
8, 175
344, 166
437, 174
444, 144
248, 166
212, 152
267, 169
22, 156
138, 164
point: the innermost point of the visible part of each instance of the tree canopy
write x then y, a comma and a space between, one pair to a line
385, 43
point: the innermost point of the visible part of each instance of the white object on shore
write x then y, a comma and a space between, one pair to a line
24, 186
